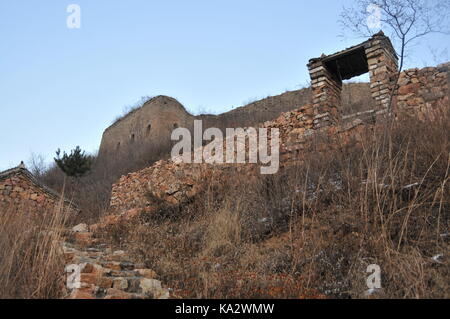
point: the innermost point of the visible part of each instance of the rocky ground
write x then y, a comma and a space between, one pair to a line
105, 273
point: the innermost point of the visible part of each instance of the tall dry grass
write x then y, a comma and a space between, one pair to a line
31, 259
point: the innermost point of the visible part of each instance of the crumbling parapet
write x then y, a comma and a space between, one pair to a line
376, 56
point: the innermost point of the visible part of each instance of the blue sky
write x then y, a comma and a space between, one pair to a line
62, 87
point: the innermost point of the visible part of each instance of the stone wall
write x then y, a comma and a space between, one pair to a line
376, 56
154, 121
171, 183
19, 190
166, 181
174, 183
422, 91
326, 94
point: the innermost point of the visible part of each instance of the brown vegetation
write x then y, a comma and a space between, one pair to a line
31, 259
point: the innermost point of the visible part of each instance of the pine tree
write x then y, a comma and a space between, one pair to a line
74, 165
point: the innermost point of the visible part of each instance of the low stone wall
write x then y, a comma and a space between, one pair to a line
165, 181
19, 191
423, 90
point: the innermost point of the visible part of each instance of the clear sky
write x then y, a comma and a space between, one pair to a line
62, 87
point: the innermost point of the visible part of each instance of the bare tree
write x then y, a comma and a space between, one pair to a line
37, 165
405, 20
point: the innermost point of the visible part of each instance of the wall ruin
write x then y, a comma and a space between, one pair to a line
422, 91
174, 183
376, 56
162, 112
153, 122
20, 190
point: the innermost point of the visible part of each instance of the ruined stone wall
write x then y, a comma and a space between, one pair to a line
162, 113
152, 123
19, 191
171, 183
174, 183
165, 180
422, 91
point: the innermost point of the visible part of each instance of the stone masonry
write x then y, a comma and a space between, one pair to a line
153, 122
376, 56
20, 189
326, 94
174, 183
422, 91
383, 70
170, 183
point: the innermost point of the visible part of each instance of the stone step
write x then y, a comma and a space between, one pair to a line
108, 274
118, 265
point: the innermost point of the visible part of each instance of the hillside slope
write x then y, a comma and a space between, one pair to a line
348, 196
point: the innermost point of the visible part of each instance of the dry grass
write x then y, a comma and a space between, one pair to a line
31, 260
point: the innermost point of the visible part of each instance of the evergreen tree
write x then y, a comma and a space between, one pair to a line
74, 165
